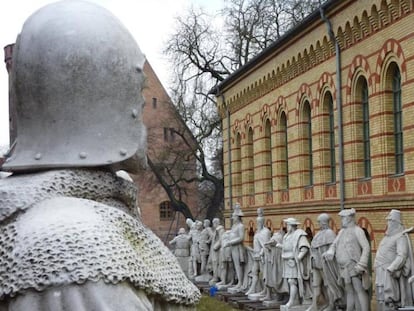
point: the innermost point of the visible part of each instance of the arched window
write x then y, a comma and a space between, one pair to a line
268, 173
329, 133
398, 127
237, 174
250, 163
394, 126
365, 127
307, 144
282, 154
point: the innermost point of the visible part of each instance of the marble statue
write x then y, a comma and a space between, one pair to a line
261, 237
296, 263
319, 245
182, 246
204, 245
274, 282
70, 236
195, 255
226, 267
393, 266
351, 250
238, 252
191, 227
214, 257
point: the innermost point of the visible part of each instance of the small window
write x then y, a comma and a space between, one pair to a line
169, 134
172, 134
154, 103
166, 211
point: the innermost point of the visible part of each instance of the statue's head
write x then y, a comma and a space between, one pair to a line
181, 231
323, 220
347, 217
199, 225
206, 223
77, 76
216, 222
291, 224
394, 216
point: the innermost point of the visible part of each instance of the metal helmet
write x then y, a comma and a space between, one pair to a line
77, 75
324, 218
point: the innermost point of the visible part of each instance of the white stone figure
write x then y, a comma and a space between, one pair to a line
182, 246
214, 257
235, 242
261, 237
191, 227
195, 256
70, 236
351, 250
319, 245
296, 263
275, 285
393, 266
204, 244
226, 271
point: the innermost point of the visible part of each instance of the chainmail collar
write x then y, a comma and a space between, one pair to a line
69, 226
19, 192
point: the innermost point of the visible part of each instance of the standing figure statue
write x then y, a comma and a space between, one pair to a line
273, 270
319, 245
235, 242
70, 236
296, 263
351, 250
195, 255
261, 236
204, 245
214, 257
182, 246
226, 271
393, 266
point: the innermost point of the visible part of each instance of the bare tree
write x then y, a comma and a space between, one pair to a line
204, 50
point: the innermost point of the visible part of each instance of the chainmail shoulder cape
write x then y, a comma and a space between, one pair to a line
70, 226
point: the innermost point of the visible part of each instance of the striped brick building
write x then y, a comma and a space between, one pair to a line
323, 120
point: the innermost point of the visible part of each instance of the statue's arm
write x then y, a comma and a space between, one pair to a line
303, 247
365, 248
400, 256
330, 253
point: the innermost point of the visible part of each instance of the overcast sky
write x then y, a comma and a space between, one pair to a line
150, 22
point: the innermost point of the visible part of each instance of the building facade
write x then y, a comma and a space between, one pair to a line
164, 127
322, 120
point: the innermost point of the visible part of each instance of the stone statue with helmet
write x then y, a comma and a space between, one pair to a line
71, 238
394, 265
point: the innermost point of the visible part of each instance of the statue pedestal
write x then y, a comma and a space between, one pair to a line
203, 278
255, 296
272, 303
302, 307
234, 290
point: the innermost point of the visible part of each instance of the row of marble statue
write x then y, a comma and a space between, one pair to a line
330, 272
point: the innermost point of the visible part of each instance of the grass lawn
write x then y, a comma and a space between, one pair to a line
208, 303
